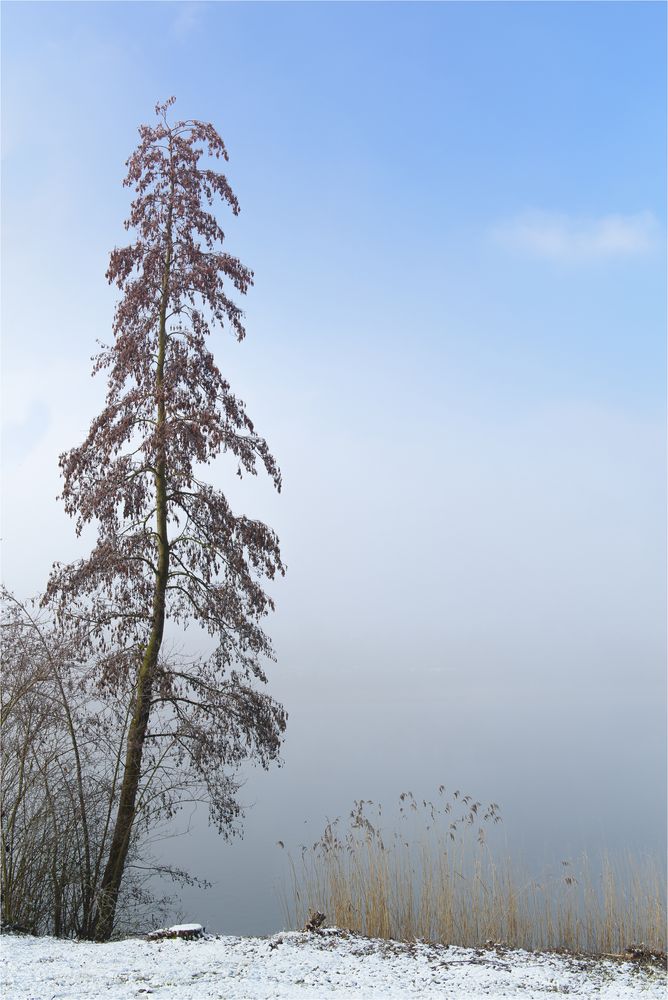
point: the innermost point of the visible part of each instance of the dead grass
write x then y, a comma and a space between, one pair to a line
433, 876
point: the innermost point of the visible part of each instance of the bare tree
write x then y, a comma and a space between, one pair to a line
169, 546
60, 768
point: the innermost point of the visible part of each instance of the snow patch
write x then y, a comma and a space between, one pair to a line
298, 966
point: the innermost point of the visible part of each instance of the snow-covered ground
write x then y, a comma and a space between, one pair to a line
293, 966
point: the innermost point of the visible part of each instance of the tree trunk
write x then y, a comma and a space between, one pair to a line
120, 843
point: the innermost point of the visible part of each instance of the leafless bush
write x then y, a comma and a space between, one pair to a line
61, 757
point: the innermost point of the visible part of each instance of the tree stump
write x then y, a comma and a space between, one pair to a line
187, 932
314, 922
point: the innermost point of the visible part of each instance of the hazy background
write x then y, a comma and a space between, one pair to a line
456, 216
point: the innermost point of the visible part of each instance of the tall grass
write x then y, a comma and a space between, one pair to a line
433, 876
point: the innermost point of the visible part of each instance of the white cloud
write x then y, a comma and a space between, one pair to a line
564, 237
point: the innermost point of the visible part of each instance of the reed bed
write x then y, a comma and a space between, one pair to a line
432, 875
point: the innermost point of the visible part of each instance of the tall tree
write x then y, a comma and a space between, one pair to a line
169, 546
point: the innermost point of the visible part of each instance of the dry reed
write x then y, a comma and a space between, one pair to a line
433, 877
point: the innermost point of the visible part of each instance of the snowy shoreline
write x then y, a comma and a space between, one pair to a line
297, 966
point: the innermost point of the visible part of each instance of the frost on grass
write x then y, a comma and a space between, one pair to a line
298, 966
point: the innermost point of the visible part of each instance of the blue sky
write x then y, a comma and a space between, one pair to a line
456, 347
375, 148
